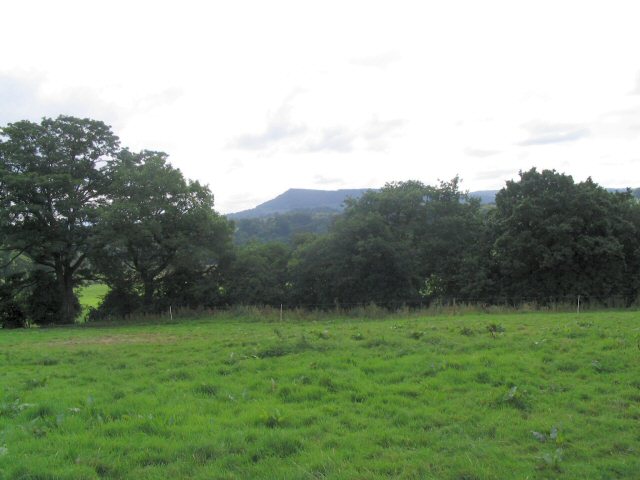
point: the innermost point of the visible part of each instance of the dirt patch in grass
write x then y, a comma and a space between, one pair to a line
122, 339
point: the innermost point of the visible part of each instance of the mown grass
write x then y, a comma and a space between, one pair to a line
466, 397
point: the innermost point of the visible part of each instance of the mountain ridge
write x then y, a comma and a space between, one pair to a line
301, 199
332, 201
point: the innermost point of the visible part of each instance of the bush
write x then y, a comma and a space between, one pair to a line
117, 303
11, 315
44, 302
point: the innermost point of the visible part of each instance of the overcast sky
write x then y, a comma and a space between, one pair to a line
255, 97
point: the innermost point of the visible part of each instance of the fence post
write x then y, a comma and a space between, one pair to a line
280, 312
578, 304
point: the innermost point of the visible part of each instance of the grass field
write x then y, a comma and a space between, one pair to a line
90, 297
466, 397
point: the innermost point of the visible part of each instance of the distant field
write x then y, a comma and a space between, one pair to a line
91, 296
430, 398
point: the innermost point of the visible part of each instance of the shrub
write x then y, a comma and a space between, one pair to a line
273, 419
466, 331
44, 302
11, 315
117, 303
495, 329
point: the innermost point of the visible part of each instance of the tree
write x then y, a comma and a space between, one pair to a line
51, 186
555, 237
157, 229
258, 274
392, 246
283, 227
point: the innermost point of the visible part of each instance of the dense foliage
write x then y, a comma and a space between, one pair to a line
50, 189
282, 227
158, 232
553, 237
74, 206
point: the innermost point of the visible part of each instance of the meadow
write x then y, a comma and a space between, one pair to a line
91, 296
473, 396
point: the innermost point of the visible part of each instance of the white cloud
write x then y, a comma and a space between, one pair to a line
381, 60
541, 133
334, 139
280, 127
24, 97
480, 153
636, 90
330, 182
378, 133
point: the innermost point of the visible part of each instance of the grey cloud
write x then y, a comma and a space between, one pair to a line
22, 99
382, 60
377, 128
336, 139
279, 127
374, 135
157, 100
619, 123
541, 133
376, 132
297, 137
476, 152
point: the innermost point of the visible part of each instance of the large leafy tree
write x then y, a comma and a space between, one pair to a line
555, 237
51, 186
159, 233
400, 244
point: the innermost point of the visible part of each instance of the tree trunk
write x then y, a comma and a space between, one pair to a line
147, 298
68, 301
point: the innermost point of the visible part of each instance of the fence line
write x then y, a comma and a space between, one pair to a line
585, 301
565, 303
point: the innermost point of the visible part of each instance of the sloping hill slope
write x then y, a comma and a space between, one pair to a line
301, 199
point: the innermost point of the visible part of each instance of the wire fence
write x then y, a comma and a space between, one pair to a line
584, 302
382, 309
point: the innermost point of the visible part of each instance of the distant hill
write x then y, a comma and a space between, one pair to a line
331, 201
485, 196
489, 196
299, 211
300, 199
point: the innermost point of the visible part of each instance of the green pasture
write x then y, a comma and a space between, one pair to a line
90, 296
477, 396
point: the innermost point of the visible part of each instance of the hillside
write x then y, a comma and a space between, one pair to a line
299, 199
324, 201
301, 210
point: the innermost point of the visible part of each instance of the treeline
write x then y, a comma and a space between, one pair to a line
76, 207
282, 227
546, 240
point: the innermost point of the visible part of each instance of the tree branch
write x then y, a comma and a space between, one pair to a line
13, 258
78, 262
